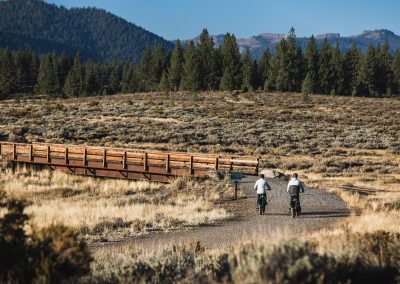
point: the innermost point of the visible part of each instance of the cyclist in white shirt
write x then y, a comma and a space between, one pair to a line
261, 186
294, 187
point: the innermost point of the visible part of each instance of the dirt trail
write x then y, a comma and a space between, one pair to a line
320, 209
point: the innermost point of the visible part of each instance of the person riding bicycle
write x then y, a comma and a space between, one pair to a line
261, 186
294, 187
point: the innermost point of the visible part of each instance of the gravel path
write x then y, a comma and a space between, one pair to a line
319, 209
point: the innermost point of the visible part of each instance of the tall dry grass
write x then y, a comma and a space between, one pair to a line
114, 209
346, 258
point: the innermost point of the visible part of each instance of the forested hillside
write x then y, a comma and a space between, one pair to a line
98, 35
201, 67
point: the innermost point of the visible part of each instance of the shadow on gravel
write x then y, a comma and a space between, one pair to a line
324, 214
277, 214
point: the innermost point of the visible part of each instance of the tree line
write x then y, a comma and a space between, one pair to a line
202, 67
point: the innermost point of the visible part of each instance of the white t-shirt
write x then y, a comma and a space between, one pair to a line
261, 186
295, 182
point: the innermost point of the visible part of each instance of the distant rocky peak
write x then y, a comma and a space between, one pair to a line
376, 34
329, 36
271, 36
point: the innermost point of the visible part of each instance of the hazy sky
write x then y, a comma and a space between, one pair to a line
185, 19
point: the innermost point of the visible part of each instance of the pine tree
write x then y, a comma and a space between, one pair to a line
270, 81
7, 74
31, 66
254, 72
65, 63
311, 58
129, 79
176, 67
103, 74
264, 66
73, 86
386, 76
191, 69
90, 81
115, 78
34, 71
396, 72
338, 80
326, 71
47, 83
164, 83
279, 76
19, 71
308, 85
294, 63
231, 76
248, 71
368, 76
352, 61
25, 74
206, 58
217, 69
286, 73
146, 71
158, 64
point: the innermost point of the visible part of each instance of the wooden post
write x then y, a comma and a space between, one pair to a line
124, 160
31, 153
105, 158
231, 165
84, 157
145, 162
216, 163
48, 154
167, 169
191, 165
14, 151
258, 166
236, 188
66, 156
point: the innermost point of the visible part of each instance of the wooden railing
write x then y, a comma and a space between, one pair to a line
125, 163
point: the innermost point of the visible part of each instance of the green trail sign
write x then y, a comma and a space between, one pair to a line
236, 176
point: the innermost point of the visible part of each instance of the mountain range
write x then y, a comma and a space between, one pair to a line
257, 44
102, 36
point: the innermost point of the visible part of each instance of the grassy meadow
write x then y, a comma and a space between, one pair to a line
346, 145
111, 209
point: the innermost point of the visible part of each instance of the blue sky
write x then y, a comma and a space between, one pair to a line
185, 19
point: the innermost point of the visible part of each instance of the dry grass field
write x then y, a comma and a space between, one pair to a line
332, 141
110, 210
348, 146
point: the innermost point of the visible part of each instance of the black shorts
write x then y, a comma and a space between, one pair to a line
293, 195
258, 198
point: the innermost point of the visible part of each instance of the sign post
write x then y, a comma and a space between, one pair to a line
236, 177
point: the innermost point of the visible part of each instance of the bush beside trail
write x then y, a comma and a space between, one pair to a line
373, 259
49, 255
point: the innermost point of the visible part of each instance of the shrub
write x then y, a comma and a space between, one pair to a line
14, 254
47, 256
58, 254
378, 248
170, 266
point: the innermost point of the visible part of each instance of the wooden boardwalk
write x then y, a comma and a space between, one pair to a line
125, 163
